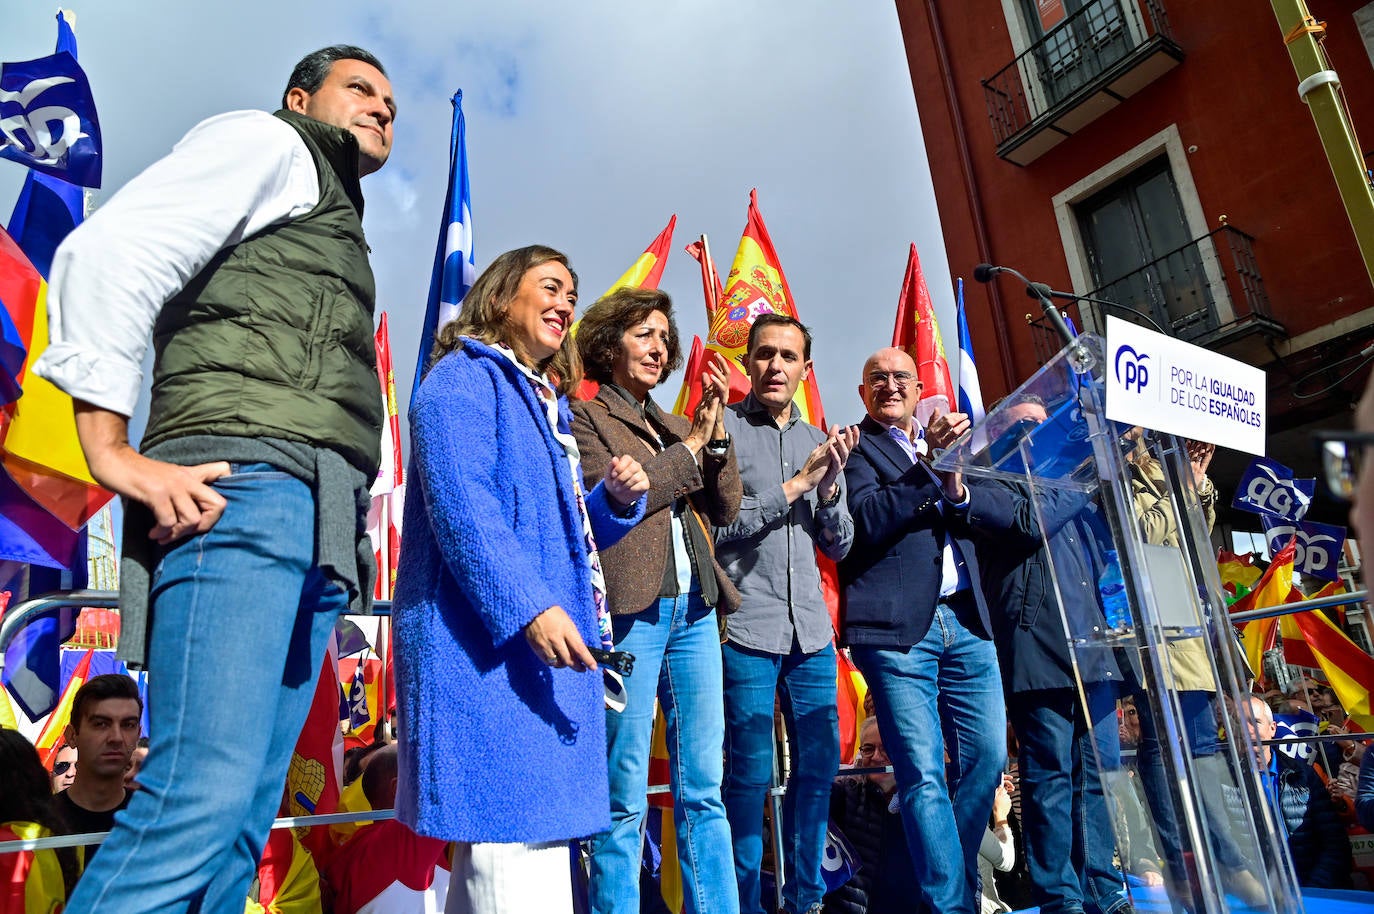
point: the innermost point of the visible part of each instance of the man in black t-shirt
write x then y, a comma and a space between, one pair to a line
104, 728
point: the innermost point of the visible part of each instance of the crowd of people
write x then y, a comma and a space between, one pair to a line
571, 566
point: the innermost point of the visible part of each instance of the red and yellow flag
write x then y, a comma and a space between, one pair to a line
315, 776
712, 290
918, 332
1311, 639
41, 450
755, 285
850, 690
690, 394
50, 737
1272, 589
644, 273
288, 881
1237, 571
388, 490
661, 805
647, 270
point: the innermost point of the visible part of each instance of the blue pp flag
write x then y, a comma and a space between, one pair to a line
33, 666
49, 207
1319, 546
47, 210
454, 266
1270, 489
970, 391
47, 115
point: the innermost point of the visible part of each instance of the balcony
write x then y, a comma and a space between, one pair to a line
1208, 292
1095, 59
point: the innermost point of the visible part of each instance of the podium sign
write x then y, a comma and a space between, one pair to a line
1171, 386
1116, 509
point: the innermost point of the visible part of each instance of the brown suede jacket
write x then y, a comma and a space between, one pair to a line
610, 426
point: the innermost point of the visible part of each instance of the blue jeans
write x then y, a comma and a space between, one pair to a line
942, 694
241, 617
1065, 821
1199, 723
807, 684
677, 659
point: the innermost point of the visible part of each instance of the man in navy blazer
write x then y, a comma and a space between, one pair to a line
1065, 822
918, 627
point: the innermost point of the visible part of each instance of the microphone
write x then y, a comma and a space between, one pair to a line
1081, 359
984, 272
1040, 291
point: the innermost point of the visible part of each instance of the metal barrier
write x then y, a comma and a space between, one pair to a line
20, 614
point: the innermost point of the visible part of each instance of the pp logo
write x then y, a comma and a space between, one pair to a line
1313, 550
31, 130
1280, 496
1131, 370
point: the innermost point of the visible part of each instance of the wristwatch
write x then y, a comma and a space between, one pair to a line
718, 445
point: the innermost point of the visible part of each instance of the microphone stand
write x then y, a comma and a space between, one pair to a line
1079, 357
1039, 290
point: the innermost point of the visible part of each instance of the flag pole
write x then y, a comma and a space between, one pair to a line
714, 276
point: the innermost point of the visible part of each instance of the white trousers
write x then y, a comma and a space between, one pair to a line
510, 879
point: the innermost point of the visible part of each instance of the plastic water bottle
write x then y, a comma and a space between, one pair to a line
1112, 588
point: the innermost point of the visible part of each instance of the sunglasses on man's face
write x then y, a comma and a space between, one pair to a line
1342, 454
62, 767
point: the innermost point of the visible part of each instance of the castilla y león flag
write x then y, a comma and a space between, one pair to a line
917, 332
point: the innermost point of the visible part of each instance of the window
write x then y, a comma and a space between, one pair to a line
1140, 249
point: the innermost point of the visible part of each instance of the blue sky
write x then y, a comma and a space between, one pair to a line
588, 126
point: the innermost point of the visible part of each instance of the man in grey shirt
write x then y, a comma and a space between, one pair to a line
780, 640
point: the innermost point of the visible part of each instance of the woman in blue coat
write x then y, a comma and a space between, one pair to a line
500, 710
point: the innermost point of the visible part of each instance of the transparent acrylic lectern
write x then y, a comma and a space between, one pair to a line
1192, 804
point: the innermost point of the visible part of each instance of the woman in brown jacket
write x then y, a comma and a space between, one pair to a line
664, 589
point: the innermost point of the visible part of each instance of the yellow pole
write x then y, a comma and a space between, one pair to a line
1319, 87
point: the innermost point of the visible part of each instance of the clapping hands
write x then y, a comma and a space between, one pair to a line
708, 421
625, 481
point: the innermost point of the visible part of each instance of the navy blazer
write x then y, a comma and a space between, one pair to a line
890, 581
1027, 626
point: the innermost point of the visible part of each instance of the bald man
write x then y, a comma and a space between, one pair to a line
1316, 837
917, 625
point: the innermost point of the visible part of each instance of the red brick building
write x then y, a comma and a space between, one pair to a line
1153, 153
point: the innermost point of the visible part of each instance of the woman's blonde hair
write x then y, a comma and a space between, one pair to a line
486, 310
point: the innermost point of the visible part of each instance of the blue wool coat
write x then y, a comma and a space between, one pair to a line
495, 745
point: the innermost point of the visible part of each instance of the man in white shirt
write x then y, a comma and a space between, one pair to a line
242, 253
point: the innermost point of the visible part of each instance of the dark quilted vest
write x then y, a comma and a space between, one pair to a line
274, 337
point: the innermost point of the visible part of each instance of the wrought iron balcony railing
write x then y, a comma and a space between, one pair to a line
1106, 51
1208, 292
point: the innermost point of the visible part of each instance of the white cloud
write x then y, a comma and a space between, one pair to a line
588, 125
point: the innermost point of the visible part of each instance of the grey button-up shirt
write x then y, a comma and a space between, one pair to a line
769, 552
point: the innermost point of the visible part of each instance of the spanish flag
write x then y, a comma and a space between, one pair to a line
1237, 571
850, 691
644, 273
1313, 640
50, 737
755, 285
690, 394
647, 269
661, 805
712, 289
1272, 589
